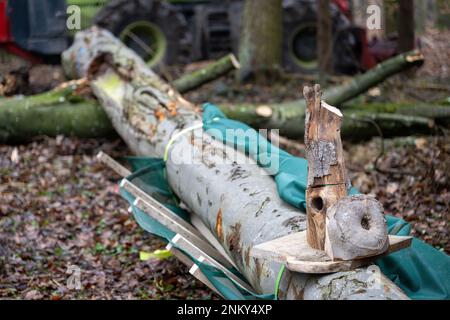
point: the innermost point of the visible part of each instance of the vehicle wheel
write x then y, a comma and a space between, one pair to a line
300, 40
155, 30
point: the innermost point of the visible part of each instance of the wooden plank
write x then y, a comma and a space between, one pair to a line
205, 251
153, 204
193, 268
113, 164
203, 229
295, 251
197, 253
139, 193
172, 224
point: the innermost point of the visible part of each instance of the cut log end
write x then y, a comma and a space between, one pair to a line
414, 56
264, 111
234, 61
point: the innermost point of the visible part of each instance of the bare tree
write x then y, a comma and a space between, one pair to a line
406, 26
260, 48
324, 39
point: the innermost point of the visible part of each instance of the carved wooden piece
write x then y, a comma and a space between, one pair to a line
327, 176
355, 227
344, 227
296, 253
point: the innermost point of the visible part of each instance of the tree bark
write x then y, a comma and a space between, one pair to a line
260, 46
147, 112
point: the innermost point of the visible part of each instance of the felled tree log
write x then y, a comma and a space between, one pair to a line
147, 112
61, 111
287, 116
361, 121
64, 111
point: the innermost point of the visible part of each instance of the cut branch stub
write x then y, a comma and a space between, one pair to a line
327, 176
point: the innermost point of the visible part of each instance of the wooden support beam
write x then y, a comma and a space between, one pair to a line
186, 245
113, 164
170, 222
193, 268
208, 235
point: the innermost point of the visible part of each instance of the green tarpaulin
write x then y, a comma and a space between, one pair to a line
421, 271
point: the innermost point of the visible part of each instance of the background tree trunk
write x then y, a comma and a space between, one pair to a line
260, 47
324, 40
406, 27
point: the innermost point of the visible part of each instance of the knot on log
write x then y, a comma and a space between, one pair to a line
355, 228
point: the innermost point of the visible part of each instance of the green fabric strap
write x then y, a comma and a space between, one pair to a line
277, 283
176, 136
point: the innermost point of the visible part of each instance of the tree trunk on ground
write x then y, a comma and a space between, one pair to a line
324, 40
406, 25
147, 112
260, 47
61, 111
15, 124
359, 123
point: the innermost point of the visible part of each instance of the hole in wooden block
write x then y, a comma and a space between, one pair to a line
365, 222
317, 203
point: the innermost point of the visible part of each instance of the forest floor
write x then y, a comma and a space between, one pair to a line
60, 209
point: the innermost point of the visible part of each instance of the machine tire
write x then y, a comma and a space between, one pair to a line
301, 16
169, 27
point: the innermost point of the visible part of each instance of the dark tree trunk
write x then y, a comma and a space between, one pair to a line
406, 26
324, 40
260, 47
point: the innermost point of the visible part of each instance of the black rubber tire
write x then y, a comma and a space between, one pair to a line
298, 13
118, 14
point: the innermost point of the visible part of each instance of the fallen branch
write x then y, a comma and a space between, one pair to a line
207, 74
